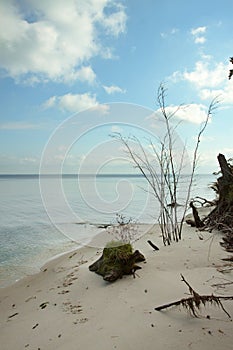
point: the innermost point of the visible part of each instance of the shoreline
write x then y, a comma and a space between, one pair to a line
78, 246
37, 268
67, 307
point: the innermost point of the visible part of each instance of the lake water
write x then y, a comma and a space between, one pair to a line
41, 219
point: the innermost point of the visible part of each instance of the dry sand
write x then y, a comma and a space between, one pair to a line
67, 307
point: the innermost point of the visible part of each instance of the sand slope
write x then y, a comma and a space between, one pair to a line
66, 307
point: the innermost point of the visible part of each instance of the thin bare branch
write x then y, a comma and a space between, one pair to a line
161, 170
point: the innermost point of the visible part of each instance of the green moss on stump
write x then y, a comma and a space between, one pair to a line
117, 260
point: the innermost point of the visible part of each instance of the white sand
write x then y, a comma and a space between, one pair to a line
84, 312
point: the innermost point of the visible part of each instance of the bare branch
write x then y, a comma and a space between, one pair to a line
160, 169
194, 302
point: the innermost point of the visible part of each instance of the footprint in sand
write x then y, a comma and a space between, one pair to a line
36, 325
44, 305
30, 298
74, 309
81, 320
63, 292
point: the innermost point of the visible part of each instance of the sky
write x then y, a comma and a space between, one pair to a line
74, 71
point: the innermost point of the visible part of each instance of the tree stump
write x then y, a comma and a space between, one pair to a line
221, 218
116, 261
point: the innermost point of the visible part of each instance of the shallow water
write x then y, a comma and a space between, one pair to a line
29, 237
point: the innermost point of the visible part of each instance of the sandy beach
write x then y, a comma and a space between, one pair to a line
67, 307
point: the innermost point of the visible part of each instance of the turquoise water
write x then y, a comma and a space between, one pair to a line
35, 227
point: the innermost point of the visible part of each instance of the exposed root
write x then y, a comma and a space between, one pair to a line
194, 303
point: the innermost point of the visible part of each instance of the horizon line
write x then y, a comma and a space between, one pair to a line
82, 175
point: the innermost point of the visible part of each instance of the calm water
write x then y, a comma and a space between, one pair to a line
34, 230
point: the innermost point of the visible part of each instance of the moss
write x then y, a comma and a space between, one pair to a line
118, 259
116, 250
114, 255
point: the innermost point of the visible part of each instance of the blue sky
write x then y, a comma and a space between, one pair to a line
59, 58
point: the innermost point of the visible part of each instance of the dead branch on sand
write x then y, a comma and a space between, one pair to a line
193, 303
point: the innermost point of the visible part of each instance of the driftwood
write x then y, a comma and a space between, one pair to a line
204, 202
116, 261
194, 302
198, 222
152, 245
221, 218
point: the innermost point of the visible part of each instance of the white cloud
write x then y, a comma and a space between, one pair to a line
84, 74
198, 30
210, 79
225, 94
51, 102
193, 113
200, 40
198, 35
113, 89
176, 76
205, 76
46, 40
72, 102
102, 109
116, 21
207, 162
206, 94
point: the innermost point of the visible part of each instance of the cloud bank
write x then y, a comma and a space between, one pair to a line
51, 40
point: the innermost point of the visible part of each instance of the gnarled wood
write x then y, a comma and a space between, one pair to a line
221, 218
198, 222
117, 261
